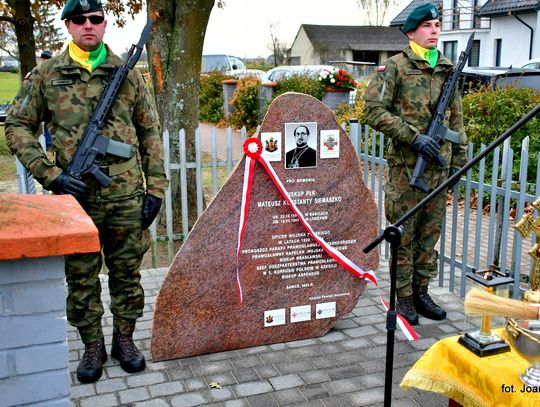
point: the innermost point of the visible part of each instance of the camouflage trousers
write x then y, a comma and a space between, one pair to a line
417, 257
123, 244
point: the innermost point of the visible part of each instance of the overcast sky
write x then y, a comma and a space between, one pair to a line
242, 27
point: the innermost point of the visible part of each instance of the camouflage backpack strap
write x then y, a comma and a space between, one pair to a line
117, 169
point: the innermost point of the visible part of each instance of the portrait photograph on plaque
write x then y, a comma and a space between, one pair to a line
300, 145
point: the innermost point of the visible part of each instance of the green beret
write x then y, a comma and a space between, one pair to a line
77, 7
422, 13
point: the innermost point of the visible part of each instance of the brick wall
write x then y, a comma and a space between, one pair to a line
33, 331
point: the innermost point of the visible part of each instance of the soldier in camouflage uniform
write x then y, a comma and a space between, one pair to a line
63, 92
400, 99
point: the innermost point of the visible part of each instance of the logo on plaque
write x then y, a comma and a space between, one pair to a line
301, 313
325, 310
272, 145
274, 317
329, 143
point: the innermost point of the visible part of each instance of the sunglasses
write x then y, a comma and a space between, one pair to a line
80, 20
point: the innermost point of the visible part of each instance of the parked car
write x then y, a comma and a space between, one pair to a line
285, 71
3, 112
8, 68
242, 73
473, 77
222, 63
532, 64
9, 65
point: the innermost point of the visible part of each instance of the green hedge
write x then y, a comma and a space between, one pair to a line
488, 113
245, 100
211, 97
300, 84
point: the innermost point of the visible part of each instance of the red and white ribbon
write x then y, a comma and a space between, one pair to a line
253, 150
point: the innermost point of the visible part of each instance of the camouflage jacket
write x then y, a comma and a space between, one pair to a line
400, 99
64, 95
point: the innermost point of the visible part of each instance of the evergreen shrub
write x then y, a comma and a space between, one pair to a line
211, 97
245, 100
345, 112
300, 84
489, 112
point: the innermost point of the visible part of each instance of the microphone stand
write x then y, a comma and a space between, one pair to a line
393, 233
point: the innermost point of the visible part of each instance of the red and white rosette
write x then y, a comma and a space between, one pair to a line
253, 150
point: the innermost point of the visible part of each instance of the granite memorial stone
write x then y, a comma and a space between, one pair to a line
292, 289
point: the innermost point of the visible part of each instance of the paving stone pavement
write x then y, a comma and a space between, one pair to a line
345, 367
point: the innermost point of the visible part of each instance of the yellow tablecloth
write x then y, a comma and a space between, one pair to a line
451, 369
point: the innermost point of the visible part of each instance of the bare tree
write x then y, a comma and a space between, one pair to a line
8, 40
18, 13
48, 37
376, 10
279, 49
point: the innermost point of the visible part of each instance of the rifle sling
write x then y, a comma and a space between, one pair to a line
117, 169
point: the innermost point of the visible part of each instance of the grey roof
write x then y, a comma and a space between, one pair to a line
494, 8
359, 38
399, 20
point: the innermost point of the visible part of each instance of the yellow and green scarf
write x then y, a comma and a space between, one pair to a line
430, 55
89, 60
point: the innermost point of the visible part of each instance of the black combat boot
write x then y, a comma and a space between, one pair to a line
123, 349
405, 308
90, 367
425, 305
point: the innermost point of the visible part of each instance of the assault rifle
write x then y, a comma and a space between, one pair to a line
94, 144
436, 129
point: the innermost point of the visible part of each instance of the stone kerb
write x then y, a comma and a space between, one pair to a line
36, 231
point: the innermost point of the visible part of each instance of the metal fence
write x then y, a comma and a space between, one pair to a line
472, 238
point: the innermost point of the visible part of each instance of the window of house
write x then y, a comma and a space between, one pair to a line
498, 51
455, 15
366, 56
450, 50
474, 58
294, 61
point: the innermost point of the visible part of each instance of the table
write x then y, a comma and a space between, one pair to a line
449, 368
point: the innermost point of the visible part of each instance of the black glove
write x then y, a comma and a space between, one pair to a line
426, 146
65, 184
151, 205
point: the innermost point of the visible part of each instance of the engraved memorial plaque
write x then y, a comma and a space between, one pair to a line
292, 289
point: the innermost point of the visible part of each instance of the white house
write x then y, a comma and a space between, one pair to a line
506, 31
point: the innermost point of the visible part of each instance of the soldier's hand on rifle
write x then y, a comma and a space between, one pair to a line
151, 205
65, 184
426, 146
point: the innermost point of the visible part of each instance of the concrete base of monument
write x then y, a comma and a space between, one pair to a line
292, 289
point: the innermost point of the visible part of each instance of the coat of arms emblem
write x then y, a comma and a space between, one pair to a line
271, 145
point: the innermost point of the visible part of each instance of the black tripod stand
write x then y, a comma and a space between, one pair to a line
392, 234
